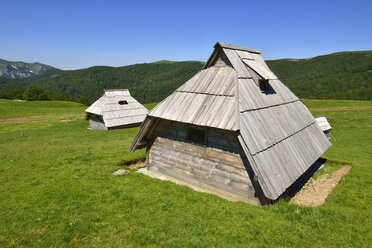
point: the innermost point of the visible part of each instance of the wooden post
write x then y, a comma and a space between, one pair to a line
22, 131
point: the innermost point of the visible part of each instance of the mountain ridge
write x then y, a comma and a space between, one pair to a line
342, 75
20, 69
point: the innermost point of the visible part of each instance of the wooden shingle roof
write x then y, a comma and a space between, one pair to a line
115, 114
198, 100
277, 132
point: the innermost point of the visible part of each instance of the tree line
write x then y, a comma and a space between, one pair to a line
36, 93
346, 75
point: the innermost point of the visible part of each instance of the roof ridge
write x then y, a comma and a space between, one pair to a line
108, 90
236, 47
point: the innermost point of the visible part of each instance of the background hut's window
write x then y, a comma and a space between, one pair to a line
97, 117
123, 102
197, 135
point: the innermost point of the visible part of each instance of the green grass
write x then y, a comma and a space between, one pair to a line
10, 109
57, 190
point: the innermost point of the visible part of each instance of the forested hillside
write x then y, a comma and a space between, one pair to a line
346, 75
147, 82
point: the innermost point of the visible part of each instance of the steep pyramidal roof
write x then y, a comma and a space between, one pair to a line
118, 108
237, 91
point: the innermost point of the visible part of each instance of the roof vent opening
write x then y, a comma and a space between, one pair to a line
264, 84
265, 87
124, 102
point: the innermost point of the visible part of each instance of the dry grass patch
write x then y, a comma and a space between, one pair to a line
342, 108
37, 117
134, 164
316, 192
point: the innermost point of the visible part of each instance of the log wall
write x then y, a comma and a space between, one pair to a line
96, 123
217, 168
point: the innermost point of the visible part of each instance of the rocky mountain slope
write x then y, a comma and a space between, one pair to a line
18, 69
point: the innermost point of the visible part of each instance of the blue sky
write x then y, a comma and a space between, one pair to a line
79, 34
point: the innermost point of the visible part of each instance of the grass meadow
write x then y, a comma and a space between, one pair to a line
57, 189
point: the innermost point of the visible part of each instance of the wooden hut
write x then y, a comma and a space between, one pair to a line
114, 110
234, 129
324, 125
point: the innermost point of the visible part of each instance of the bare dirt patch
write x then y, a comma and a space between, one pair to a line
139, 164
75, 241
316, 192
342, 108
36, 117
73, 119
134, 164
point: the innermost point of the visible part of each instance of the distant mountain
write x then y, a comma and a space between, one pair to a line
148, 83
11, 69
345, 75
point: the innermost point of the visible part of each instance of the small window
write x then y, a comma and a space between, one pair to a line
197, 135
264, 84
123, 102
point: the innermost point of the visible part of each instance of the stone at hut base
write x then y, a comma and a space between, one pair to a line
120, 172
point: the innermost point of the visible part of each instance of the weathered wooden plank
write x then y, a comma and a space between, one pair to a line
237, 63
182, 106
207, 157
204, 110
225, 105
190, 83
210, 153
232, 86
199, 186
189, 162
237, 48
194, 175
204, 80
213, 80
158, 110
226, 112
261, 70
245, 55
214, 75
173, 110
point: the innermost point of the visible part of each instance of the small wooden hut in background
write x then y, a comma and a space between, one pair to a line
234, 129
116, 109
324, 125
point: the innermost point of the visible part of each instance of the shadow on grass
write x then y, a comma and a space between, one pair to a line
302, 180
131, 162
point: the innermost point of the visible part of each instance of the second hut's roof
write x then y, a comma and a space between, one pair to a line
118, 108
